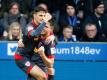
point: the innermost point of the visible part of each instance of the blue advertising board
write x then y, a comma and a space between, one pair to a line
81, 51
7, 49
64, 51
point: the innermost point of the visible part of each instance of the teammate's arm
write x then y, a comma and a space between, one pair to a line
49, 61
35, 32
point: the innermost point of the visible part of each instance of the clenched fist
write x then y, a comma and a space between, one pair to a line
47, 17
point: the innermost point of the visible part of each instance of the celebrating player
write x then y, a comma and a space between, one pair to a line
30, 40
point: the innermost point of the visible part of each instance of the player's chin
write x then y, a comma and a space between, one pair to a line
43, 31
40, 21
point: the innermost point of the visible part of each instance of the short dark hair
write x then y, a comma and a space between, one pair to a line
68, 26
52, 23
89, 24
38, 9
70, 4
96, 3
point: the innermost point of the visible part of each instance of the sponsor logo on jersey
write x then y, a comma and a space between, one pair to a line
27, 64
30, 28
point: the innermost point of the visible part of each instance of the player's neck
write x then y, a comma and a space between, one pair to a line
49, 34
46, 35
35, 22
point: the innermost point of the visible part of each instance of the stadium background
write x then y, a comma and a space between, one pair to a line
65, 69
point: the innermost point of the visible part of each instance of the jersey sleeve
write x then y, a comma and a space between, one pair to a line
31, 32
50, 49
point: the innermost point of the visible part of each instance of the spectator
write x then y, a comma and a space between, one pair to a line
91, 34
98, 18
43, 5
68, 35
15, 32
69, 18
14, 15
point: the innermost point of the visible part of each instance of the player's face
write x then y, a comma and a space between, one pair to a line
39, 16
47, 29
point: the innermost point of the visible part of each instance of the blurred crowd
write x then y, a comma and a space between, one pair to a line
75, 20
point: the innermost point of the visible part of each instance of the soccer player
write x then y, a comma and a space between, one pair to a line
48, 58
45, 52
30, 40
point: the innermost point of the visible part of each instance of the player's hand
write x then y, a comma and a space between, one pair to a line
47, 17
20, 43
35, 50
39, 50
49, 39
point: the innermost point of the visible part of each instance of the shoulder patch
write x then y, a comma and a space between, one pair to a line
27, 64
30, 28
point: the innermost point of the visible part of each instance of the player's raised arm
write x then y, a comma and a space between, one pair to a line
34, 32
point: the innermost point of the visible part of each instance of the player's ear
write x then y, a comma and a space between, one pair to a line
34, 15
52, 27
